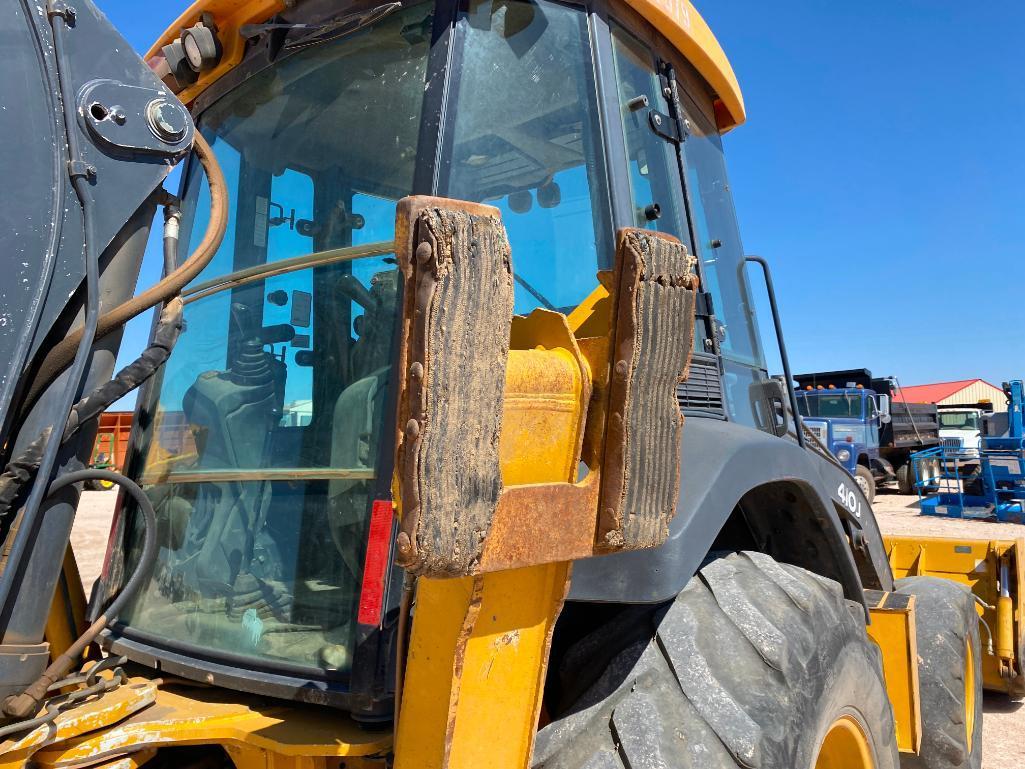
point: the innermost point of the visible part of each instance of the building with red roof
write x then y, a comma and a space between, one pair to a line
963, 392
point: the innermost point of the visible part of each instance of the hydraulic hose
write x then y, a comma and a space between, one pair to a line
26, 704
22, 468
172, 227
171, 285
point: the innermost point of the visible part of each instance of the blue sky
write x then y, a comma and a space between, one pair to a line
881, 171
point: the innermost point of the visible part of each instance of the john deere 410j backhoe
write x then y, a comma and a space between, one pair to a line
410, 482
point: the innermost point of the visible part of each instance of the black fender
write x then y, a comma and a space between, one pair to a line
721, 463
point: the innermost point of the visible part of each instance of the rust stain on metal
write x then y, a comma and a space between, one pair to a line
457, 308
542, 523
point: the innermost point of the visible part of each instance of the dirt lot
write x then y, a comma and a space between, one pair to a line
1004, 722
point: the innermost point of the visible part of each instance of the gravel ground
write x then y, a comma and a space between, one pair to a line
90, 533
1003, 734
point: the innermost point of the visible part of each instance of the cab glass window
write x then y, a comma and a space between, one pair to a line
654, 174
718, 243
526, 139
262, 435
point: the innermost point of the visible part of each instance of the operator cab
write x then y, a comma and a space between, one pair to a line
267, 437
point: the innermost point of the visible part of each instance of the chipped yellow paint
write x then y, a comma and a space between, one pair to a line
253, 732
82, 720
476, 668
131, 761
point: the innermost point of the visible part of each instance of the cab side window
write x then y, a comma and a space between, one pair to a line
718, 243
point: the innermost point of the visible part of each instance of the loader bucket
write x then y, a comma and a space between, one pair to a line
992, 570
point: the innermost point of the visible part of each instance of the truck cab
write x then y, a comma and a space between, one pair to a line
846, 421
962, 427
868, 415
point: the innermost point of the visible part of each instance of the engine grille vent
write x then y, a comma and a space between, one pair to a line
702, 391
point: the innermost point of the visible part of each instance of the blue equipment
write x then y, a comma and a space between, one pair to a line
985, 483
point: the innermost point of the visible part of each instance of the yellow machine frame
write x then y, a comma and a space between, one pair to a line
993, 571
477, 655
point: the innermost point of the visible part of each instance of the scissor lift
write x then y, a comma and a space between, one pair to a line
987, 483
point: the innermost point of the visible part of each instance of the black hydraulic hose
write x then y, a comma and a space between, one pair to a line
80, 182
170, 285
27, 703
172, 227
23, 468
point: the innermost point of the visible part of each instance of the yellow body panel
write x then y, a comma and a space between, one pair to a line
893, 630
90, 716
66, 620
252, 732
977, 565
229, 15
541, 415
477, 657
678, 20
476, 668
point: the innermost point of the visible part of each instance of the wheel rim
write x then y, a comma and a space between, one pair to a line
862, 484
969, 693
845, 746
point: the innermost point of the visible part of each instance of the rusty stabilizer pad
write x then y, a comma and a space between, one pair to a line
458, 306
654, 336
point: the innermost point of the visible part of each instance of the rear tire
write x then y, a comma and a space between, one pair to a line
949, 674
864, 478
906, 479
755, 663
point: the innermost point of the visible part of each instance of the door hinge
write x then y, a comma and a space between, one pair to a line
703, 306
664, 126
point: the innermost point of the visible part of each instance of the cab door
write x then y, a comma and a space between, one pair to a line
677, 184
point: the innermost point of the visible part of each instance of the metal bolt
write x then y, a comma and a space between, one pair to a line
167, 121
403, 545
424, 252
667, 92
119, 116
657, 119
416, 371
412, 429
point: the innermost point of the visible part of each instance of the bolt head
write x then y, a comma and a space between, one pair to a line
168, 121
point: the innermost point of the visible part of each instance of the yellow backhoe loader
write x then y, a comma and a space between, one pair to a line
456, 444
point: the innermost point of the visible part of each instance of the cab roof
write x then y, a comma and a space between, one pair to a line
677, 20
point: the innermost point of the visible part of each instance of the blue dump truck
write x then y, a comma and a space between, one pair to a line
869, 428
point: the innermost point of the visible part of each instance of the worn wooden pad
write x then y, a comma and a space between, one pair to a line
654, 335
458, 310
